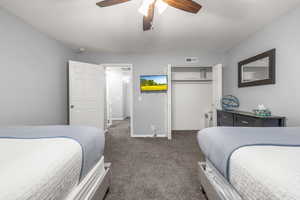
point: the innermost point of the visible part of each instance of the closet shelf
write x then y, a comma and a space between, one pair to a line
191, 80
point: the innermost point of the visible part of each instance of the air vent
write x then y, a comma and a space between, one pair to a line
191, 59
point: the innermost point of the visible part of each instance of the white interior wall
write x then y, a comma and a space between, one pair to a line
31, 57
150, 109
118, 81
33, 75
282, 98
190, 102
116, 92
191, 98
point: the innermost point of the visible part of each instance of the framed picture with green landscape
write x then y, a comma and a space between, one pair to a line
154, 83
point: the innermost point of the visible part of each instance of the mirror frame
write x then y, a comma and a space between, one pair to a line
271, 54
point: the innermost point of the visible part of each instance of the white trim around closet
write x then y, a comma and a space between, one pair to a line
216, 79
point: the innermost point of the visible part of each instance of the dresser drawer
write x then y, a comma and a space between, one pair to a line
225, 119
245, 121
272, 123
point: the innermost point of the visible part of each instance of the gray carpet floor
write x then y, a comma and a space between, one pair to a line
152, 168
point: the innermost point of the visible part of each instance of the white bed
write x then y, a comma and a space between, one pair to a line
266, 172
256, 173
259, 163
42, 169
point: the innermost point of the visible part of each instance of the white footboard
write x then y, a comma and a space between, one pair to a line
214, 185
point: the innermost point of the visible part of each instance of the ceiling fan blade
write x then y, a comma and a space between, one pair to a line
147, 20
186, 5
107, 3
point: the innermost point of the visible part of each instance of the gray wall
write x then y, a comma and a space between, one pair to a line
152, 108
284, 97
33, 82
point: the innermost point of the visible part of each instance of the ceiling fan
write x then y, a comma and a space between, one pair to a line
148, 6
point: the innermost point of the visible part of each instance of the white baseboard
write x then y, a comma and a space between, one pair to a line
149, 136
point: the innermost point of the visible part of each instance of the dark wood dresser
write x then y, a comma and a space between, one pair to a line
247, 119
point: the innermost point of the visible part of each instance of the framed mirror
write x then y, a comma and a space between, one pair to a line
258, 70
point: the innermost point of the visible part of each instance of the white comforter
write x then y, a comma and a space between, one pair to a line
266, 172
38, 169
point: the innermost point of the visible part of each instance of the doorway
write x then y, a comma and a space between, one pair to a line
193, 97
119, 93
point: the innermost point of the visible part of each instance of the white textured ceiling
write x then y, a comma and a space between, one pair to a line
220, 24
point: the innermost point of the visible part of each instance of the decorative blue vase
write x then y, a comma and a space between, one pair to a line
230, 102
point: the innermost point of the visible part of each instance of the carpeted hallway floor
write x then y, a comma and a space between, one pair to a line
152, 168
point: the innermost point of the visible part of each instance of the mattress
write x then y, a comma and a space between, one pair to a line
39, 169
266, 172
218, 143
91, 139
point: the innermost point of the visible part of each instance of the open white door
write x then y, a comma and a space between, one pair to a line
108, 104
86, 94
108, 113
217, 91
169, 120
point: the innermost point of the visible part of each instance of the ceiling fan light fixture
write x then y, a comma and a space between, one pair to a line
144, 7
149, 7
161, 6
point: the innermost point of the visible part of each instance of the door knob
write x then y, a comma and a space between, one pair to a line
72, 106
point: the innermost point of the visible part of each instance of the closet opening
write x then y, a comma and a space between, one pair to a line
193, 97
